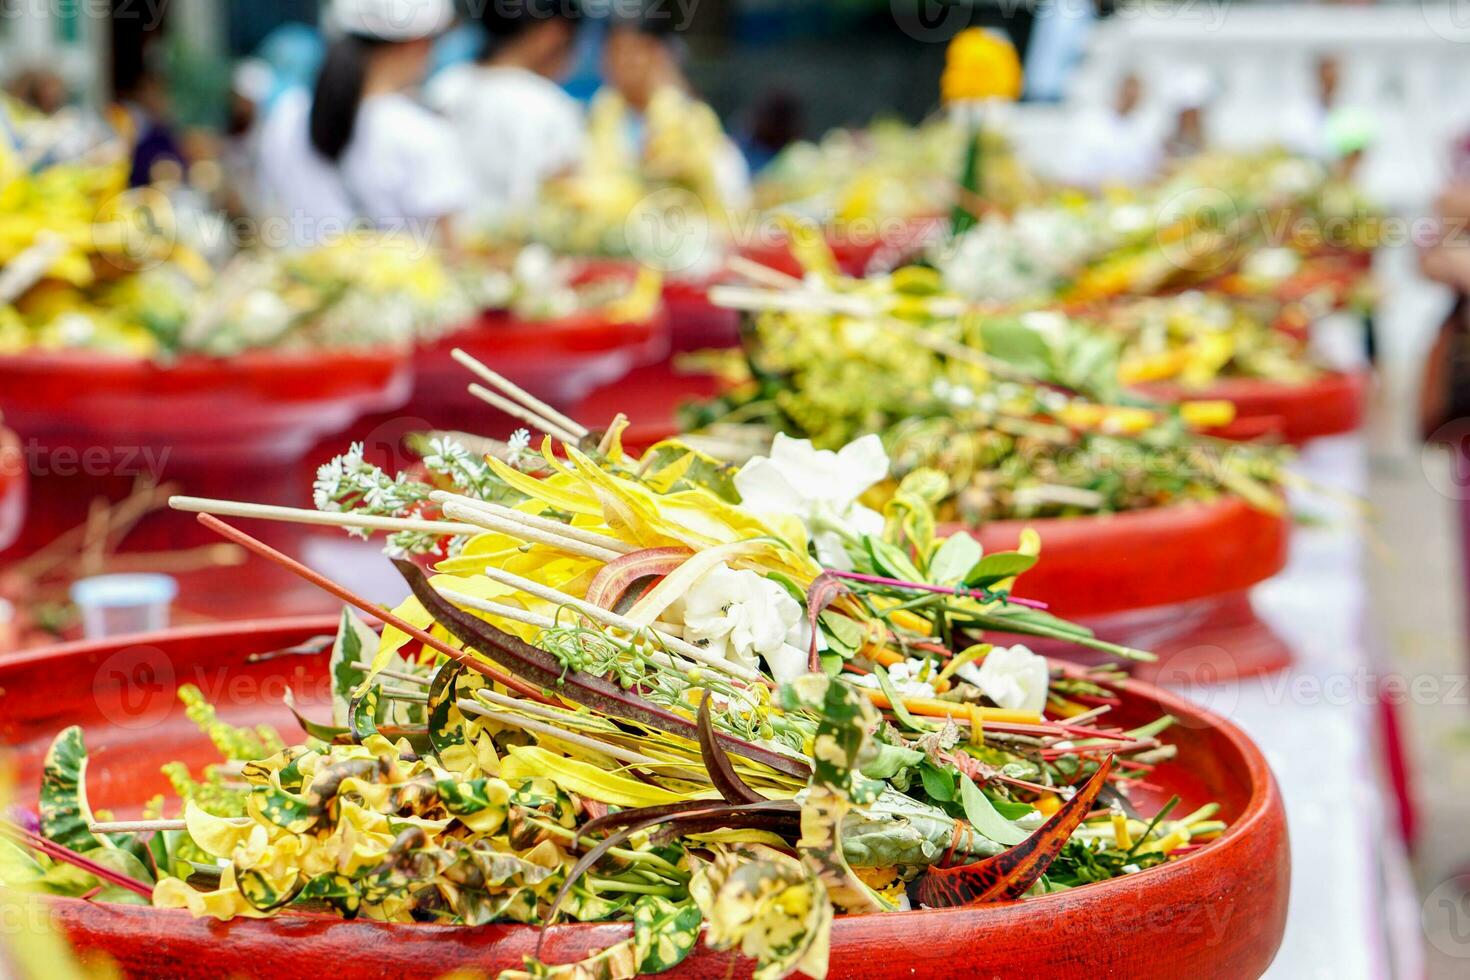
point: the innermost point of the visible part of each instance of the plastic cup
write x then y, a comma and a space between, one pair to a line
115, 605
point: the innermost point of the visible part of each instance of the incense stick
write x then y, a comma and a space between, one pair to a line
483, 520
299, 515
535, 521
523, 414
520, 394
346, 595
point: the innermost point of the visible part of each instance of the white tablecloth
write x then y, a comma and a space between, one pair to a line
1353, 913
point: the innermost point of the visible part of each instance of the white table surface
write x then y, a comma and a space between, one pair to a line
1318, 727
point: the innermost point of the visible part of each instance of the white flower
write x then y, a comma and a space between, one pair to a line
1012, 677
820, 487
905, 682
742, 616
516, 446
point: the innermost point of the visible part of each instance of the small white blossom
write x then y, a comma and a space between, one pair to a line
905, 681
1012, 677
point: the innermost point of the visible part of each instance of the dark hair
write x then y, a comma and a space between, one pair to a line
503, 25
338, 95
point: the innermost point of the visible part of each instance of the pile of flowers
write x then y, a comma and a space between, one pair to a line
642, 697
1005, 415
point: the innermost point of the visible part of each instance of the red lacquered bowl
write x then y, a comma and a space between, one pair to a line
13, 482
558, 361
256, 408
694, 322
1162, 556
1218, 912
1329, 406
1171, 580
855, 252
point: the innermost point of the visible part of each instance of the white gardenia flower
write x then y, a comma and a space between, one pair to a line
744, 617
1012, 677
820, 487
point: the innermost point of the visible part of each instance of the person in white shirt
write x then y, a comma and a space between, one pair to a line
359, 151
1116, 144
515, 124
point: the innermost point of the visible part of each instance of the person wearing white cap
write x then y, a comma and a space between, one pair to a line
359, 150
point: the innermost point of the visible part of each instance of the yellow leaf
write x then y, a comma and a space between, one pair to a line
584, 779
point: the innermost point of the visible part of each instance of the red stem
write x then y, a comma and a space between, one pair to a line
66, 855
341, 592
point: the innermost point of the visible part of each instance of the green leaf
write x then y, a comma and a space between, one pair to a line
885, 684
938, 783
984, 818
1012, 811
363, 713
891, 760
1019, 345
997, 568
18, 869
891, 561
844, 636
664, 932
65, 814
356, 643
955, 558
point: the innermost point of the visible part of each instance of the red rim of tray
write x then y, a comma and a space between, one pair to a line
1218, 912
13, 483
854, 252
1111, 563
558, 360
256, 407
1327, 406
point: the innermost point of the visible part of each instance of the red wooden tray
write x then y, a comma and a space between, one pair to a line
1329, 406
92, 425
855, 252
1112, 563
13, 486
256, 408
1219, 912
695, 322
1172, 580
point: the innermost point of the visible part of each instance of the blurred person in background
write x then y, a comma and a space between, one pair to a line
359, 150
1322, 127
146, 118
775, 123
1189, 95
1117, 143
41, 89
643, 56
1444, 394
515, 124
